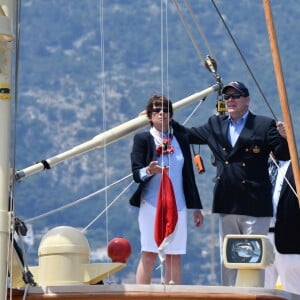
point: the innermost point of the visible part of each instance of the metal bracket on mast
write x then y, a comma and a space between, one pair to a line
211, 66
19, 270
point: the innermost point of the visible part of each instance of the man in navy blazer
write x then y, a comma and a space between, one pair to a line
241, 143
284, 232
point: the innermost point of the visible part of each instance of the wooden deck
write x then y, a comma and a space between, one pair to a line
145, 292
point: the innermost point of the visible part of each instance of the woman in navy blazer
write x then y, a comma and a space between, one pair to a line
147, 167
144, 144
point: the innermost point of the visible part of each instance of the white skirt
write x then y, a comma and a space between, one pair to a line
146, 225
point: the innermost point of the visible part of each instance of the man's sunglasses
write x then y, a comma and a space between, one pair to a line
158, 109
233, 96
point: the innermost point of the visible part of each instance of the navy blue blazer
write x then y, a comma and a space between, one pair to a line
242, 181
144, 151
287, 225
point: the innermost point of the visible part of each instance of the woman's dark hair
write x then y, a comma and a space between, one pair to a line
159, 101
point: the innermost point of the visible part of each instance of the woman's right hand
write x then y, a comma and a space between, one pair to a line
154, 167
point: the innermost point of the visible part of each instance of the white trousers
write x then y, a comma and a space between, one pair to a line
239, 224
287, 267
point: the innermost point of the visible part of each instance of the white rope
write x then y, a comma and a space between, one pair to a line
193, 112
283, 175
108, 206
26, 290
76, 201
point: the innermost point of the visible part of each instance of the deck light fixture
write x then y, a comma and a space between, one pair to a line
249, 254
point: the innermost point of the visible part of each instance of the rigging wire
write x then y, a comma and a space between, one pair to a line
102, 61
189, 32
16, 81
77, 201
161, 48
108, 206
194, 111
244, 60
163, 38
167, 50
210, 64
103, 94
198, 27
85, 198
162, 57
283, 175
162, 41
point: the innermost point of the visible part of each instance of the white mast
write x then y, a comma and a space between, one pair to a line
6, 38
